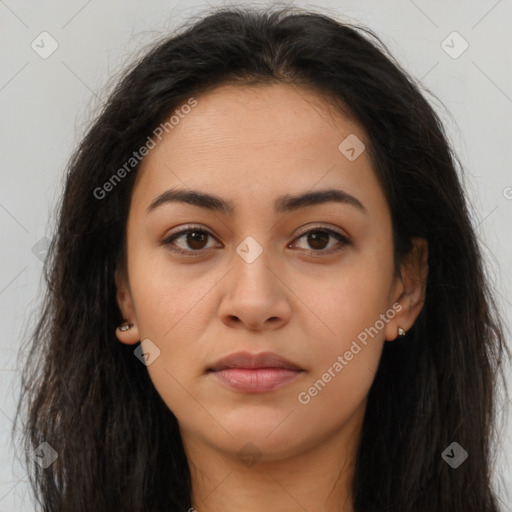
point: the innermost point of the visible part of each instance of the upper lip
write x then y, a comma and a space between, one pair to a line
248, 360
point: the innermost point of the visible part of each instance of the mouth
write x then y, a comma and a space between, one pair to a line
255, 373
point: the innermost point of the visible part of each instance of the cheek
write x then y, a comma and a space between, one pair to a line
354, 310
347, 355
169, 298
351, 302
347, 358
173, 310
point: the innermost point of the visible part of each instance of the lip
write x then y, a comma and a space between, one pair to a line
255, 373
252, 361
256, 380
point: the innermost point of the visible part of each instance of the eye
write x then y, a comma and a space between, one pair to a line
318, 238
193, 240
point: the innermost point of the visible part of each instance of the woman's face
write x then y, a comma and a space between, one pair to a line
252, 279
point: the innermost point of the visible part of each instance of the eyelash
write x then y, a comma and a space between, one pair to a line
197, 253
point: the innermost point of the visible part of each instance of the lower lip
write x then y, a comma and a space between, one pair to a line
256, 380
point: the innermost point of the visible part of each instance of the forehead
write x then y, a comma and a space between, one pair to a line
231, 120
252, 141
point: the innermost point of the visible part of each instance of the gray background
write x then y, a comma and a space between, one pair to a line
47, 102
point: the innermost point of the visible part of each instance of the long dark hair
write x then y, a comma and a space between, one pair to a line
86, 395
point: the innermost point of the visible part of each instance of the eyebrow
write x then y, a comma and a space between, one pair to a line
283, 204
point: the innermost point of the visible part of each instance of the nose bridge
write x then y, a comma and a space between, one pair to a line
256, 226
252, 262
253, 295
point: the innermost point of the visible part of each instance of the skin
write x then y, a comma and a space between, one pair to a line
249, 145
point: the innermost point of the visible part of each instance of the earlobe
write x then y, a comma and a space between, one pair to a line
413, 278
127, 333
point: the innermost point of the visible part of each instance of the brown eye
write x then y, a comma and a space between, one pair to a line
318, 240
191, 240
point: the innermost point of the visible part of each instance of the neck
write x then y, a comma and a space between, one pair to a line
312, 479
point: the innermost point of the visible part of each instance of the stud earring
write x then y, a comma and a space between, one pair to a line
401, 332
125, 326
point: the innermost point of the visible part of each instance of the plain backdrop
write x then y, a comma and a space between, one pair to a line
47, 100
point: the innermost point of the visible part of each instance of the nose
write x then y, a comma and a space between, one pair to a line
255, 296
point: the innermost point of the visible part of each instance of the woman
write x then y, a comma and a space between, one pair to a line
265, 291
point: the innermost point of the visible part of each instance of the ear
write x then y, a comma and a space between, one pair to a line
410, 288
125, 303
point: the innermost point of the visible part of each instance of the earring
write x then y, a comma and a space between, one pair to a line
125, 326
401, 332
